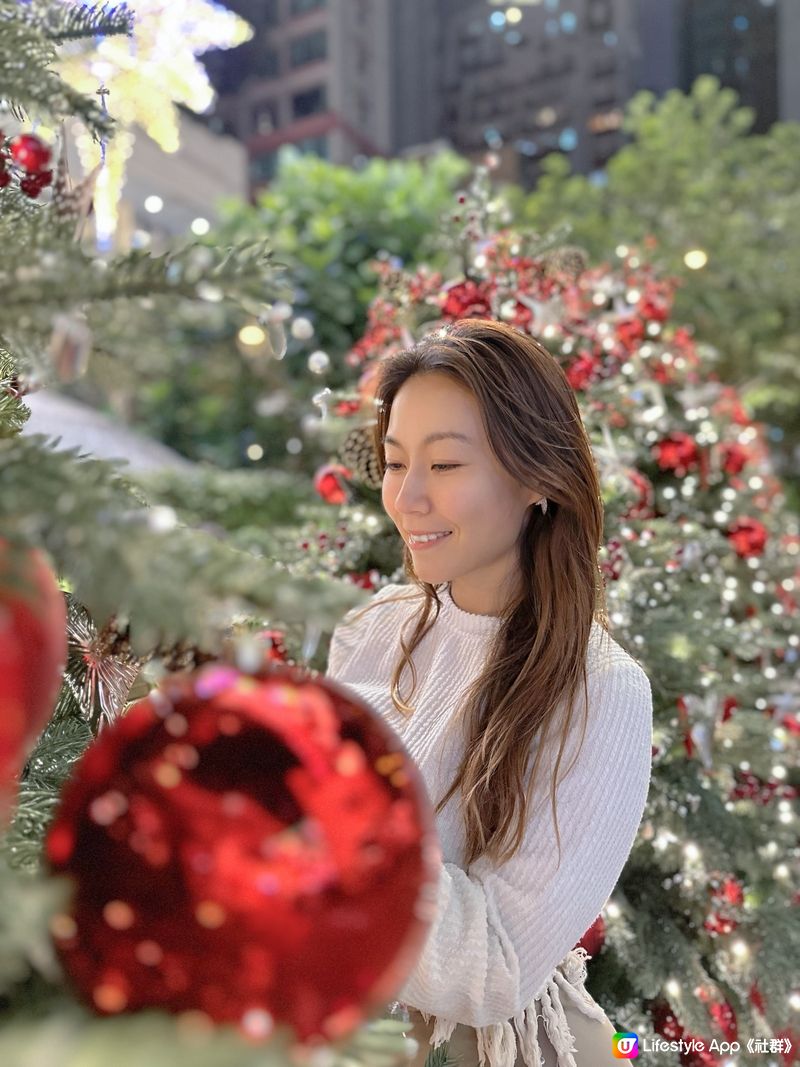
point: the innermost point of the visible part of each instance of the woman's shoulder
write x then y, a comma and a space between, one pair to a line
607, 657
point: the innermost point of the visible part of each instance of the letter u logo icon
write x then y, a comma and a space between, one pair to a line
625, 1046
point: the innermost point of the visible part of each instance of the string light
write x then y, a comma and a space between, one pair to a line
740, 950
696, 259
252, 335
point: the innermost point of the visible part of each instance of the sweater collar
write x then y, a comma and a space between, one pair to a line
466, 621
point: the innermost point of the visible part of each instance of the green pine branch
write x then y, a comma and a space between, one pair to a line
28, 82
170, 582
69, 23
13, 413
65, 277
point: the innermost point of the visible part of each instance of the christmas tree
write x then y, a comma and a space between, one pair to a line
701, 563
160, 870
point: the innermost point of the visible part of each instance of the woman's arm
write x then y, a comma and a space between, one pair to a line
499, 933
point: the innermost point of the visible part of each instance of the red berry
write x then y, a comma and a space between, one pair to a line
30, 186
5, 178
29, 153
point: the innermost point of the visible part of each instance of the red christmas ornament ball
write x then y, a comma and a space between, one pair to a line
467, 300
33, 653
328, 483
677, 452
748, 537
595, 937
253, 846
665, 1022
30, 153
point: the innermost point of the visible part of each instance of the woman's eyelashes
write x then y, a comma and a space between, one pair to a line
440, 466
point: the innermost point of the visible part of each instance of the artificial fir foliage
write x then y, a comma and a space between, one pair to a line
147, 594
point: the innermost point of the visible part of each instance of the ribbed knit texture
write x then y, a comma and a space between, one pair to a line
503, 937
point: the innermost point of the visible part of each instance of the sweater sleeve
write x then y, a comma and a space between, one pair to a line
500, 932
353, 635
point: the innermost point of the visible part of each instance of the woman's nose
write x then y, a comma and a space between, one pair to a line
413, 488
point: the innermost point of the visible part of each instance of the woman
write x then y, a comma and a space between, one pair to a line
513, 673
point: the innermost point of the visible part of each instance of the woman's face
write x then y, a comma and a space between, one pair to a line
473, 496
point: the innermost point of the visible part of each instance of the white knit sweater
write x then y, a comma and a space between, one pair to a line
501, 949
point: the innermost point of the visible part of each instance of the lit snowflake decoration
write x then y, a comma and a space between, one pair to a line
147, 75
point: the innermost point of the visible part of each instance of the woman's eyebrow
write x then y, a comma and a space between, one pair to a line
439, 435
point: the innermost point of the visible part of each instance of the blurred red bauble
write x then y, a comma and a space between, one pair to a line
630, 332
33, 184
643, 505
581, 372
725, 1019
275, 639
257, 847
30, 153
733, 457
677, 452
748, 537
665, 1022
33, 653
467, 300
719, 924
328, 483
595, 937
790, 1054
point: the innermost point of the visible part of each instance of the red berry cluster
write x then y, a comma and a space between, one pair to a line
750, 787
31, 157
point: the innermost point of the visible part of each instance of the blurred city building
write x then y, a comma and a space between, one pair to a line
172, 194
353, 78
525, 80
737, 41
315, 75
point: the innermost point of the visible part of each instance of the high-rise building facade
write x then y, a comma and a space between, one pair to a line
737, 40
528, 79
788, 67
350, 78
315, 75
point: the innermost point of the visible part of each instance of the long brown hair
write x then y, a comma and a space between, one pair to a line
538, 656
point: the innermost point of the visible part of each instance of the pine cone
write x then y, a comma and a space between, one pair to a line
569, 260
358, 454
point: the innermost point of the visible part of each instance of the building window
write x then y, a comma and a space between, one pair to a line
309, 48
599, 15
269, 15
265, 117
309, 102
363, 108
263, 167
269, 63
313, 146
300, 7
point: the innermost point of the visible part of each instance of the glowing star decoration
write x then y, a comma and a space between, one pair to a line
147, 75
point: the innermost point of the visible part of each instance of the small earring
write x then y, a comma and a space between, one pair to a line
543, 505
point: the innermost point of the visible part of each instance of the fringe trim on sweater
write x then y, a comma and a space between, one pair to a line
497, 1044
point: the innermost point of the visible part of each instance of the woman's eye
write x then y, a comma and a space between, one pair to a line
440, 466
